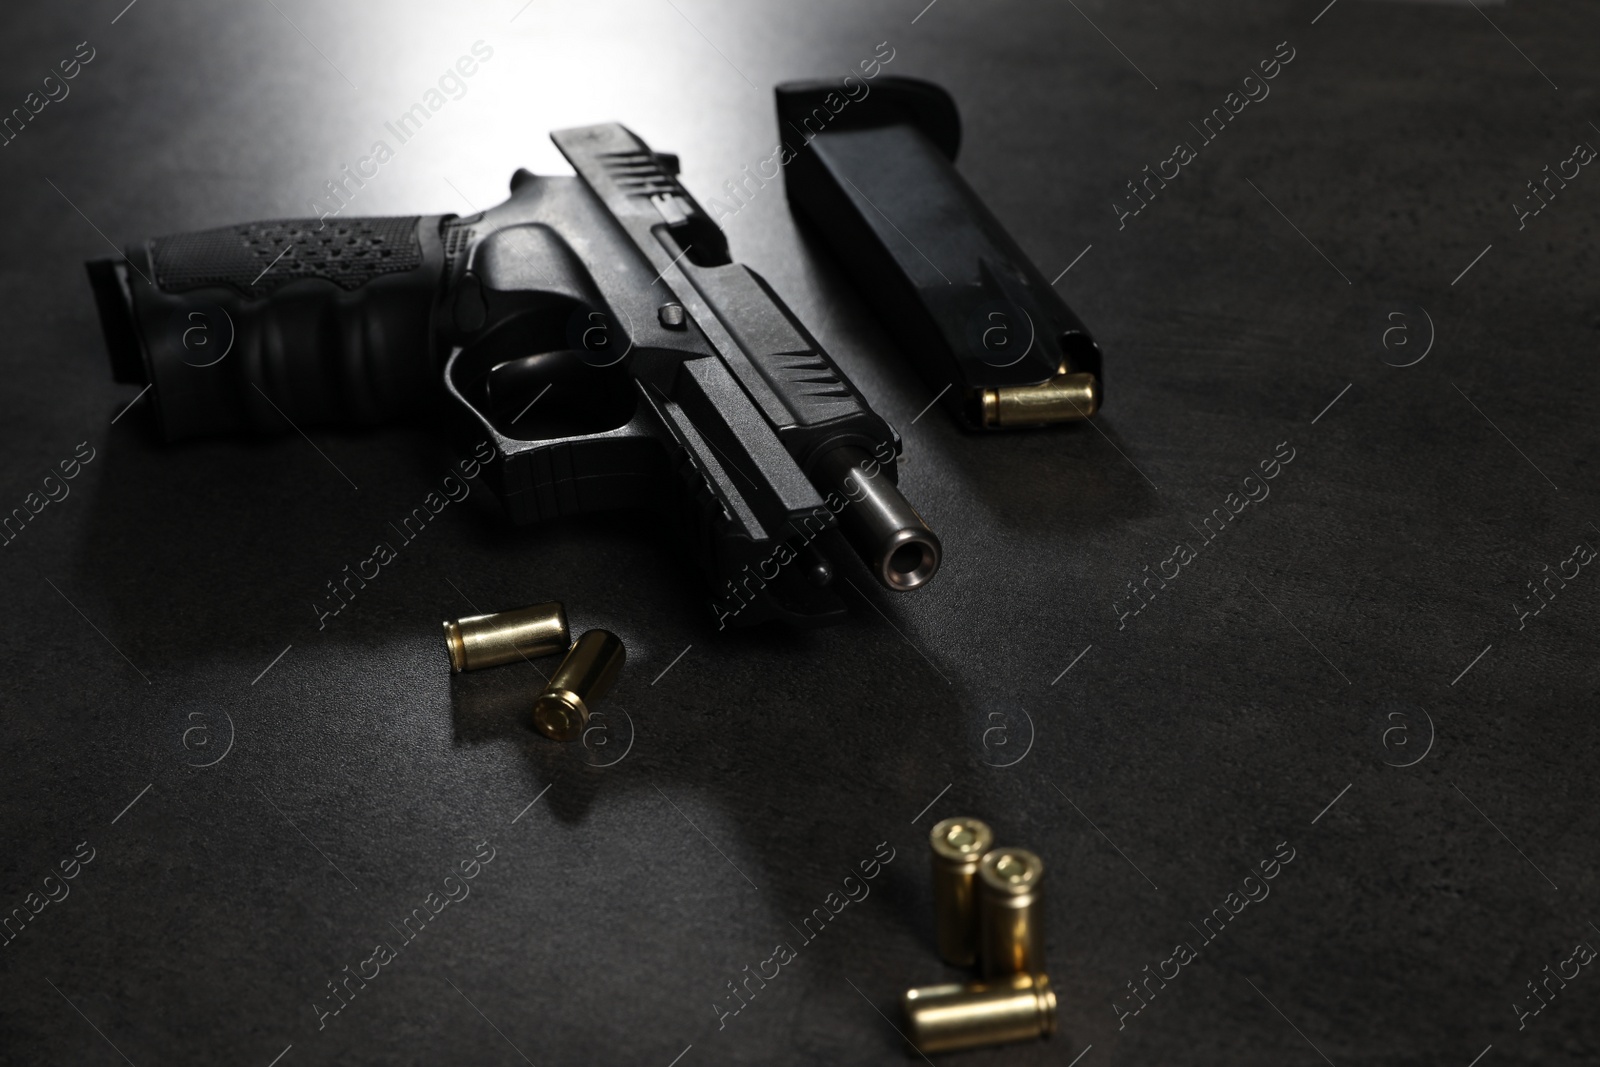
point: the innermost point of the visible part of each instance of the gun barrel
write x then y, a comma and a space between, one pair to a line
882, 526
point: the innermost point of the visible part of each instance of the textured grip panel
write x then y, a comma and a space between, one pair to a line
230, 343
256, 258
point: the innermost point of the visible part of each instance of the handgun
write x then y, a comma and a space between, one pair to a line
593, 329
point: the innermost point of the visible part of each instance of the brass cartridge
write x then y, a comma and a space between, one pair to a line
1063, 398
1010, 918
562, 711
479, 641
957, 844
943, 1018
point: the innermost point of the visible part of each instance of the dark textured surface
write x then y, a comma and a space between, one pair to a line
1219, 722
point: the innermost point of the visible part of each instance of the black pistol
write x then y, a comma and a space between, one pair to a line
594, 329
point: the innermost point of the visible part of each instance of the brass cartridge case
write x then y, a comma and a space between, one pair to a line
943, 1018
1061, 399
958, 845
562, 710
1010, 918
479, 641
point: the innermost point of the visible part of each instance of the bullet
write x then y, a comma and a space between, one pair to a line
957, 844
943, 1018
479, 641
1010, 918
562, 711
1064, 398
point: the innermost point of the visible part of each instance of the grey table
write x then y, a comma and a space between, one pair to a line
1352, 673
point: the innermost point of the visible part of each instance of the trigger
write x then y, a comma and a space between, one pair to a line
470, 309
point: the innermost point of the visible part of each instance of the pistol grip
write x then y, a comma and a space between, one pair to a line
267, 324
